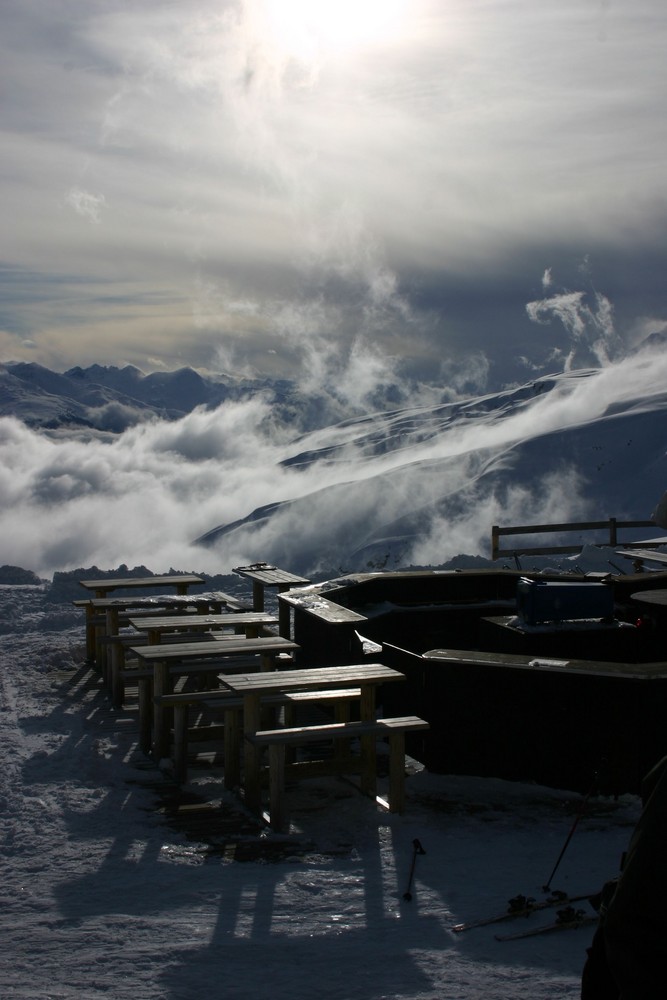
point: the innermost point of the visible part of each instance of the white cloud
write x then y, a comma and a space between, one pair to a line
144, 496
85, 204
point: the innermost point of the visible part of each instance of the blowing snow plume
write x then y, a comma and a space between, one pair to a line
588, 320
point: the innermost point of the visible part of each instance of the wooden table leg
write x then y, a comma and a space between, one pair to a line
111, 628
397, 772
180, 743
90, 634
368, 780
161, 716
277, 811
284, 617
257, 596
117, 668
232, 744
251, 753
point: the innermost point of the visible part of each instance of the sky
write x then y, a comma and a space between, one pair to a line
459, 192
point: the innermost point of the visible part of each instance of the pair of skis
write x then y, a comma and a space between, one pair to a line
568, 917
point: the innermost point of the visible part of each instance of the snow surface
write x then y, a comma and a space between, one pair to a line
108, 894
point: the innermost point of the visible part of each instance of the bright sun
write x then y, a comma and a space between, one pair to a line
307, 28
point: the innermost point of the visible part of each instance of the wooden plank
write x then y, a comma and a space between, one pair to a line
313, 677
178, 580
270, 576
642, 555
634, 671
337, 730
224, 698
190, 650
230, 619
321, 607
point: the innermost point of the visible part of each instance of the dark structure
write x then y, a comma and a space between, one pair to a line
545, 678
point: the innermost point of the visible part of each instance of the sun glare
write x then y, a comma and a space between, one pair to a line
306, 29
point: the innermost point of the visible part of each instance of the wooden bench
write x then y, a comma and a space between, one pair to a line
277, 740
114, 673
202, 672
231, 707
106, 615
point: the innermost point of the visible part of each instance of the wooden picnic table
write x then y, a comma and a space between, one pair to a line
180, 581
168, 626
263, 575
254, 686
162, 657
115, 608
250, 622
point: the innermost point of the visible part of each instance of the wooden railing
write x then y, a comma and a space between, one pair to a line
611, 526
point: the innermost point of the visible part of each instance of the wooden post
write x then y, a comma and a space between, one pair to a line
252, 753
277, 811
180, 742
117, 667
284, 615
257, 596
232, 745
161, 716
368, 780
397, 772
90, 634
145, 692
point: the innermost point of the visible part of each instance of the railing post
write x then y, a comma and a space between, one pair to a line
495, 533
612, 532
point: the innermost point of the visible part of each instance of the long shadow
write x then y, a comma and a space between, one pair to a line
331, 925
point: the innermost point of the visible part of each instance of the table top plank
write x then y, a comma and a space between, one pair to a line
310, 679
204, 621
269, 575
138, 582
175, 651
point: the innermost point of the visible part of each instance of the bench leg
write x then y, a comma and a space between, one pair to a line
117, 682
397, 772
342, 747
90, 634
277, 813
145, 693
162, 717
180, 743
368, 782
251, 755
232, 745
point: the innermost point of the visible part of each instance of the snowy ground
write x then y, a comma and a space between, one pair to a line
110, 891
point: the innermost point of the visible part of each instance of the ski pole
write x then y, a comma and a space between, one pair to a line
416, 849
547, 886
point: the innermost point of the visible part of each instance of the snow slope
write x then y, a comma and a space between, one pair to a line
416, 485
109, 891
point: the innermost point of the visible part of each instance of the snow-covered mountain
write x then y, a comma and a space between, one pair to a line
236, 479
102, 400
112, 399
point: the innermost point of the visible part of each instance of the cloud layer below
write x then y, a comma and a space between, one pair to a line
417, 485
